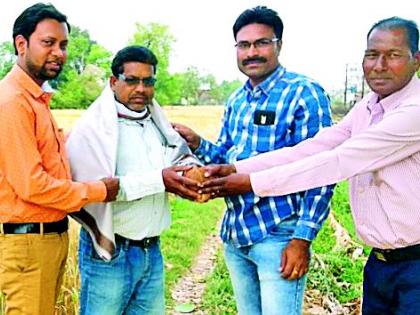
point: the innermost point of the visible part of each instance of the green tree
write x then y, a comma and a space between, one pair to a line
190, 85
158, 39
87, 69
7, 58
226, 88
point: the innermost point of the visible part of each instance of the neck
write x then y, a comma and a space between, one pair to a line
23, 66
255, 81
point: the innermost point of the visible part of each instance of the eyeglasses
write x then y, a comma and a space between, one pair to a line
134, 81
258, 44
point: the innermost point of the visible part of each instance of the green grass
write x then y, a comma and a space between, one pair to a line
341, 209
191, 224
218, 297
332, 271
325, 240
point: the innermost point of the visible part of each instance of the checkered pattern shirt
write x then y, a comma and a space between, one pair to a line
282, 111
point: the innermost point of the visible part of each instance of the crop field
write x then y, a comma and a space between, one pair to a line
335, 277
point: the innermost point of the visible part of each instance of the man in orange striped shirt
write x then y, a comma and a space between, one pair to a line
36, 191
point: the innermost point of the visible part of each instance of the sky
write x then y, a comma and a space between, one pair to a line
320, 36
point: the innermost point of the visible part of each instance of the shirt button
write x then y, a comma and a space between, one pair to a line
360, 190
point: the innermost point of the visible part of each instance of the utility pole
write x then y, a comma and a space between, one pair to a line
345, 87
363, 86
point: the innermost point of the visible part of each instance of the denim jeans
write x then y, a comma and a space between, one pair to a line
391, 288
257, 283
131, 283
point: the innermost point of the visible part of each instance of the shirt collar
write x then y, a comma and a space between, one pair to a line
268, 84
28, 83
392, 101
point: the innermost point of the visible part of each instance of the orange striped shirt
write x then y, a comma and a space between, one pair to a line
35, 180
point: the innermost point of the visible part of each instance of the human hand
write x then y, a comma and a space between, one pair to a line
192, 138
219, 170
182, 186
295, 259
233, 184
112, 185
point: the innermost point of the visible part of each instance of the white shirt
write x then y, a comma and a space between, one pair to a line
142, 208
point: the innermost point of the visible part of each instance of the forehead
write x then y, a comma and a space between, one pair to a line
254, 31
51, 28
388, 39
137, 69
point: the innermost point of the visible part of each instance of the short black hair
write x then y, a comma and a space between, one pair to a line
27, 21
133, 53
259, 15
395, 22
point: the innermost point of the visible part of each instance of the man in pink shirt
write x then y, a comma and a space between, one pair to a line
377, 148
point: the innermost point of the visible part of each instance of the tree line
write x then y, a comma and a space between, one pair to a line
88, 68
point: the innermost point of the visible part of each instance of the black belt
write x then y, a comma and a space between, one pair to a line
35, 228
398, 254
144, 243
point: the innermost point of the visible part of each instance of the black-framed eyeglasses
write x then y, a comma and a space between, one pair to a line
134, 81
258, 44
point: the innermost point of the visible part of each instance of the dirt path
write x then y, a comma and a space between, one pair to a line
190, 288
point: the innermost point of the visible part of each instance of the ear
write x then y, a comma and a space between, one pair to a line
417, 60
112, 82
279, 45
21, 44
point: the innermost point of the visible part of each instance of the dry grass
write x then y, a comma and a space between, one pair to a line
205, 120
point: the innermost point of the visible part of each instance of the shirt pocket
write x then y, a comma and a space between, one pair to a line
263, 138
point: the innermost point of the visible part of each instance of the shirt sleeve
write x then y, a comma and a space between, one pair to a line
326, 139
133, 187
311, 114
21, 163
393, 139
209, 152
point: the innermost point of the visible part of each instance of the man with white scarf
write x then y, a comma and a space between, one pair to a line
124, 133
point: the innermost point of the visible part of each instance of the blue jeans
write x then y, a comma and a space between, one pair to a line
131, 283
391, 288
257, 283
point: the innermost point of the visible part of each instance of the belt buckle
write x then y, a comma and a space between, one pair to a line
380, 256
147, 242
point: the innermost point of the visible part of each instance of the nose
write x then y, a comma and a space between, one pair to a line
140, 87
58, 51
380, 63
252, 51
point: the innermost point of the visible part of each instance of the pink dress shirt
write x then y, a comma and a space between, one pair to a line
380, 158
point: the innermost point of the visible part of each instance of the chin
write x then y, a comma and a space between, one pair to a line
50, 75
136, 108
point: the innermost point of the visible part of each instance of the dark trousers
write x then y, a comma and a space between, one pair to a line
391, 288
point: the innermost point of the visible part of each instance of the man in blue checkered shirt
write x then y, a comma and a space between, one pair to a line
267, 240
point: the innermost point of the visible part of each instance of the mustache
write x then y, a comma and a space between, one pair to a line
253, 60
138, 95
379, 77
57, 61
